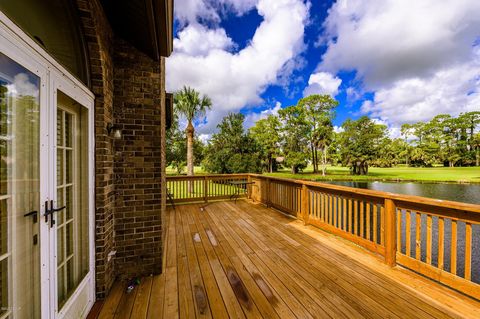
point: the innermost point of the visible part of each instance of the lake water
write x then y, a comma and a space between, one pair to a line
467, 193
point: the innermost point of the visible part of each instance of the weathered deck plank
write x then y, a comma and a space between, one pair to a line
242, 260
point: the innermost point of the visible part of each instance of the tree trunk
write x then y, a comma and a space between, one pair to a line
314, 164
270, 164
189, 132
360, 168
324, 160
477, 160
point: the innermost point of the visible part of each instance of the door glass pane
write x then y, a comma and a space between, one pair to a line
72, 178
68, 129
3, 228
60, 283
60, 203
19, 189
68, 202
68, 166
60, 167
4, 286
59, 128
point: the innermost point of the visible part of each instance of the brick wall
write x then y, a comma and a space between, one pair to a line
138, 96
129, 92
98, 36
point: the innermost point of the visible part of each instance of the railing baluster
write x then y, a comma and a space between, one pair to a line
355, 217
329, 196
205, 189
324, 207
367, 211
375, 223
350, 221
399, 230
468, 251
441, 242
408, 235
362, 219
344, 214
335, 211
429, 239
382, 225
418, 236
453, 251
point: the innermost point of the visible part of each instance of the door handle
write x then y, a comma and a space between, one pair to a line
34, 214
51, 211
54, 210
47, 211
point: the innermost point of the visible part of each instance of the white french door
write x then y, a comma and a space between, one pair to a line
69, 218
46, 184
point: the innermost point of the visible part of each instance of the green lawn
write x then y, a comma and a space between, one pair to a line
437, 174
196, 169
400, 173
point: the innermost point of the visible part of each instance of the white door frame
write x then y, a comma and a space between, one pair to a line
60, 82
21, 48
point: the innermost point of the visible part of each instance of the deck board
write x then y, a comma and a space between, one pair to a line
242, 260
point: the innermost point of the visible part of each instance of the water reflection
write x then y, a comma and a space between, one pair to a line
467, 193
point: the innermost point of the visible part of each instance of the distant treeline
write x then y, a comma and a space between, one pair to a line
304, 133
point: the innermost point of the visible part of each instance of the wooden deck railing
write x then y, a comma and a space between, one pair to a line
202, 188
435, 238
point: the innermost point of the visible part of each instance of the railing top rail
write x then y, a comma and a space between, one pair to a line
379, 194
186, 177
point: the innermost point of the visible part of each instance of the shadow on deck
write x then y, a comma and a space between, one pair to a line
244, 260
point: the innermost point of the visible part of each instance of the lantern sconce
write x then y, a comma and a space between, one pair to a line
114, 131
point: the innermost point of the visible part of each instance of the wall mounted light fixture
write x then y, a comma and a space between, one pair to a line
114, 131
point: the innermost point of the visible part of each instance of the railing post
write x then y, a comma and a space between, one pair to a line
205, 189
304, 204
249, 187
390, 233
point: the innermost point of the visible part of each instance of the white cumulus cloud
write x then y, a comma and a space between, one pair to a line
235, 80
197, 40
417, 58
451, 90
253, 117
384, 41
322, 83
191, 11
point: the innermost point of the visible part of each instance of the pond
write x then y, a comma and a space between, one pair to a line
467, 193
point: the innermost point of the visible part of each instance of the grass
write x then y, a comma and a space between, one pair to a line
399, 173
196, 169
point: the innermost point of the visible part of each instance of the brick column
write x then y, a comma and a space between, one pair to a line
138, 97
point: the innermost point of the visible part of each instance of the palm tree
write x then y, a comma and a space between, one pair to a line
189, 103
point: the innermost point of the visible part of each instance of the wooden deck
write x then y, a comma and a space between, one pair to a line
246, 261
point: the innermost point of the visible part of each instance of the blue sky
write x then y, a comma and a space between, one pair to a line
397, 61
